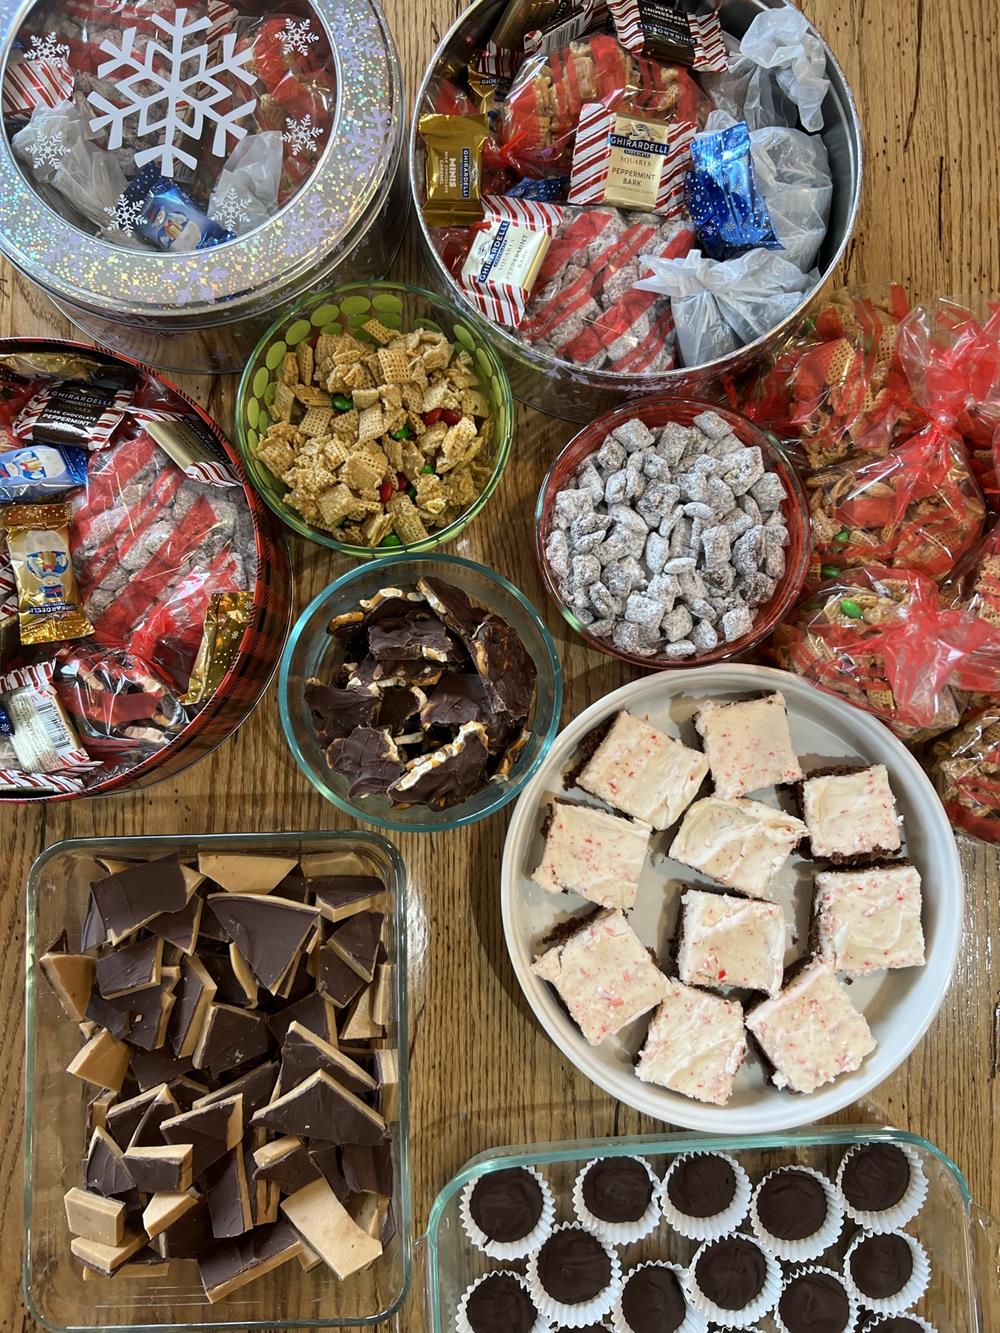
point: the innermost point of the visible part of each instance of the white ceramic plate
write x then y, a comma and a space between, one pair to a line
899, 1005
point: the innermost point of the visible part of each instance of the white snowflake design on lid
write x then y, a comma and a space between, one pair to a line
186, 78
47, 48
123, 215
301, 135
232, 209
296, 38
47, 151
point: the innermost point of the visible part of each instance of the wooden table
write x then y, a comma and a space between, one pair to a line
482, 1071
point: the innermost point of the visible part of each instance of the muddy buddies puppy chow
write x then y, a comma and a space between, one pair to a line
669, 543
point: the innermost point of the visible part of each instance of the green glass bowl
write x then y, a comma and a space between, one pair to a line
347, 308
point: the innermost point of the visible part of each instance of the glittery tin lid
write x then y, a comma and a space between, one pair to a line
338, 165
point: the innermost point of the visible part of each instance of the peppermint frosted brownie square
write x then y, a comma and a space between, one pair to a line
866, 920
851, 814
725, 941
602, 972
592, 853
811, 1033
748, 744
743, 844
644, 772
696, 1045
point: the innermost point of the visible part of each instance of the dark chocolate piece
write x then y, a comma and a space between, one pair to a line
220, 968
357, 942
411, 636
106, 1172
94, 931
269, 932
336, 979
211, 1130
130, 898
505, 665
814, 1303
159, 1066
320, 1108
340, 896
897, 1323
701, 1185
368, 760
451, 605
448, 776
791, 1205
231, 1262
618, 1189
399, 708
500, 1304
876, 1177
130, 968
116, 1016
882, 1265
189, 1236
230, 1038
294, 887
368, 1170
147, 1131
180, 928
228, 1196
160, 1169
144, 1010
123, 1119
653, 1300
336, 712
506, 1205
303, 1053
314, 1012
457, 698
731, 1272
292, 1170
327, 1158
189, 1005
186, 1092
255, 1088
573, 1266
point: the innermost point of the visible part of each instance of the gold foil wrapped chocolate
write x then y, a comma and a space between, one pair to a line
227, 617
48, 604
454, 168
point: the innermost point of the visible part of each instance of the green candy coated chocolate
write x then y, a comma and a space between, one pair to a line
843, 537
391, 540
426, 470
851, 608
829, 571
403, 433
342, 403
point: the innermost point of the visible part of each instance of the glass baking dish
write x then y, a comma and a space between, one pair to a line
962, 1241
55, 1115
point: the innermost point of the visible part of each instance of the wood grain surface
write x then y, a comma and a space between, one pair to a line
482, 1071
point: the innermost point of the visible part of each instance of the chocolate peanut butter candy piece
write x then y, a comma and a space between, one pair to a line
500, 1304
448, 776
180, 928
315, 1012
106, 1172
321, 1108
340, 896
653, 1300
116, 1016
133, 897
147, 1132
505, 667
194, 994
326, 1227
122, 1119
881, 1266
618, 1189
228, 1196
337, 712
731, 1272
255, 1087
701, 1185
876, 1177
327, 1158
71, 977
411, 636
269, 932
506, 1205
233, 1263
791, 1205
814, 1303
212, 1131
130, 967
284, 1162
187, 1236
240, 872
337, 980
573, 1266
230, 1038
368, 1170
165, 1168
368, 761
357, 942
160, 1066
303, 1052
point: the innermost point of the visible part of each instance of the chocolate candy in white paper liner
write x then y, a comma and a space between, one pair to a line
715, 1225
693, 1321
877, 1323
462, 1324
896, 1216
782, 41
912, 1289
246, 193
515, 1249
803, 1271
762, 1304
582, 1313
808, 1247
618, 1233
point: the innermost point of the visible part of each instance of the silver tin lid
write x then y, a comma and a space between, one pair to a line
326, 215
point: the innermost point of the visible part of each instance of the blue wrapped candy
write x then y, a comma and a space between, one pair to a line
170, 219
551, 191
40, 472
725, 204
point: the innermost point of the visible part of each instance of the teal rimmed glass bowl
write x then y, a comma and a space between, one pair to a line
311, 652
347, 308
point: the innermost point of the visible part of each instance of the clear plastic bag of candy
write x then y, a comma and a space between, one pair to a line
118, 705
964, 766
886, 641
777, 75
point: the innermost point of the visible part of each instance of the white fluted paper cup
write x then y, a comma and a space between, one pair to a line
694, 1320
755, 1310
876, 1325
802, 1271
515, 1249
584, 1312
908, 1295
462, 1324
618, 1233
896, 1217
718, 1224
809, 1247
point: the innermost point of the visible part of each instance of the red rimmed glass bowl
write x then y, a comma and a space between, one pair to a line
656, 412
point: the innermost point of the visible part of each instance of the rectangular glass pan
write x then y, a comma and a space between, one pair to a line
55, 1115
962, 1242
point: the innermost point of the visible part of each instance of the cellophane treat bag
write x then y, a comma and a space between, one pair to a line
964, 765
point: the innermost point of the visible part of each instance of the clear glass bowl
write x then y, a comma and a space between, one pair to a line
960, 1238
56, 1112
347, 308
655, 412
310, 652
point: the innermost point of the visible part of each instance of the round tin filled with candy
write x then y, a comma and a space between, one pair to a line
171, 173
144, 588
632, 205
